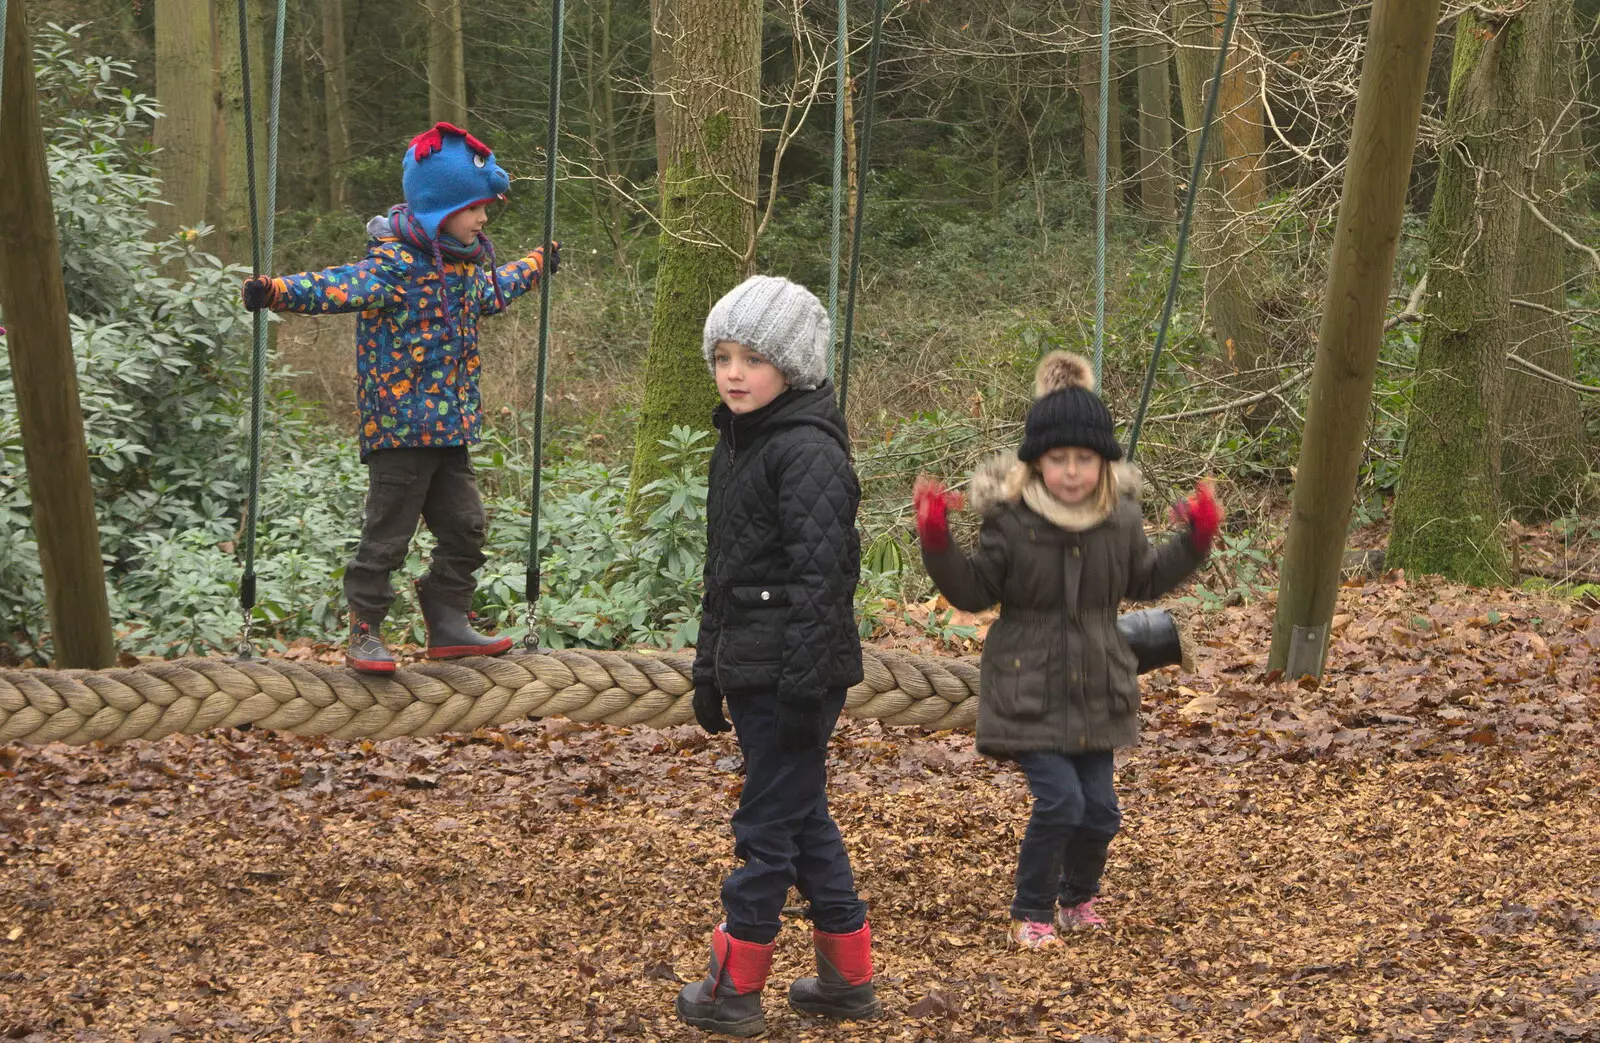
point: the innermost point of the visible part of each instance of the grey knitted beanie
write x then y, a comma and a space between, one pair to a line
782, 320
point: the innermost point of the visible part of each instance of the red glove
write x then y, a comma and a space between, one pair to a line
932, 501
1203, 514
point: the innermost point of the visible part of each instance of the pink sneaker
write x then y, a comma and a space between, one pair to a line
1080, 917
1031, 934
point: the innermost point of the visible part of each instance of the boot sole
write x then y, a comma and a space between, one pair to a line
462, 651
864, 1013
369, 666
745, 1029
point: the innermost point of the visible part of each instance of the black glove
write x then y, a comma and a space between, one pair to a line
799, 726
552, 262
708, 709
257, 292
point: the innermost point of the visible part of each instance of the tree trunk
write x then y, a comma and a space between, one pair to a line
334, 99
217, 191
1089, 97
1227, 234
665, 29
183, 135
600, 98
616, 212
1543, 453
236, 176
1242, 123
1157, 180
1447, 514
311, 166
44, 374
851, 172
447, 69
1394, 76
707, 213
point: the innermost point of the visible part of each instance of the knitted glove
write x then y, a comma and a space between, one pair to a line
1202, 514
799, 727
708, 709
258, 292
932, 501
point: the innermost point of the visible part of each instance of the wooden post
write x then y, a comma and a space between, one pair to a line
1388, 108
44, 374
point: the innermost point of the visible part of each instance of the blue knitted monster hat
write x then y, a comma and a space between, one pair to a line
448, 170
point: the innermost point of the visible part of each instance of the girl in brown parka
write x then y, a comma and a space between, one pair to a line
1062, 545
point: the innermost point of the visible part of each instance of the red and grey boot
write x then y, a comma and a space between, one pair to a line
450, 631
366, 651
843, 985
728, 999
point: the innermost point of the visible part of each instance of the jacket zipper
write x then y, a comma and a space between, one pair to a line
722, 629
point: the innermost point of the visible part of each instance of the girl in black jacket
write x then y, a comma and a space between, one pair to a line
778, 643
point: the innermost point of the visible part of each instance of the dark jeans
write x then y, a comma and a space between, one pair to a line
435, 485
1074, 818
783, 832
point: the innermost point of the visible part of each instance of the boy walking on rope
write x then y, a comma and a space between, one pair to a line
778, 643
428, 276
1062, 545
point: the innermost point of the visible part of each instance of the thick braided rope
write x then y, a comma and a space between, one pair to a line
622, 688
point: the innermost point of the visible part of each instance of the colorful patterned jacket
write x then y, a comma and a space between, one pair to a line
416, 371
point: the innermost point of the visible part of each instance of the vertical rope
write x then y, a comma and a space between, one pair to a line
3, 52
552, 128
1100, 193
842, 42
261, 245
862, 165
1195, 173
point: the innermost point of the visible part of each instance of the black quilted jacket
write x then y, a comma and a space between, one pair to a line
782, 554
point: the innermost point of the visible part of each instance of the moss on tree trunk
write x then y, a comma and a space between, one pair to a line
707, 211
1448, 514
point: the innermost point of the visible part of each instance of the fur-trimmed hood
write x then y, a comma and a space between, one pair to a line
1003, 479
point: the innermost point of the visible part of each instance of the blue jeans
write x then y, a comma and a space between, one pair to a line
783, 832
1074, 817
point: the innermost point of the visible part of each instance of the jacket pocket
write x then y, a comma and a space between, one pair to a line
753, 632
1122, 673
1021, 685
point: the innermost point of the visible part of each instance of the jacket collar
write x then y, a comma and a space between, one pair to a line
793, 408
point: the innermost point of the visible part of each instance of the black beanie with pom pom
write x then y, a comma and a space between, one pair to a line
1066, 411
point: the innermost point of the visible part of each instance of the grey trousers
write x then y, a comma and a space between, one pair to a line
404, 486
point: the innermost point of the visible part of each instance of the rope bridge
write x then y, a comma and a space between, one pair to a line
151, 701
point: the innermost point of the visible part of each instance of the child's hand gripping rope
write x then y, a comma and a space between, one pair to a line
933, 503
257, 292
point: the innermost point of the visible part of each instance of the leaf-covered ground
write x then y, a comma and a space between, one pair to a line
1410, 852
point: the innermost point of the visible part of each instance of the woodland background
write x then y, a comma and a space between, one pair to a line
1403, 850
977, 256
